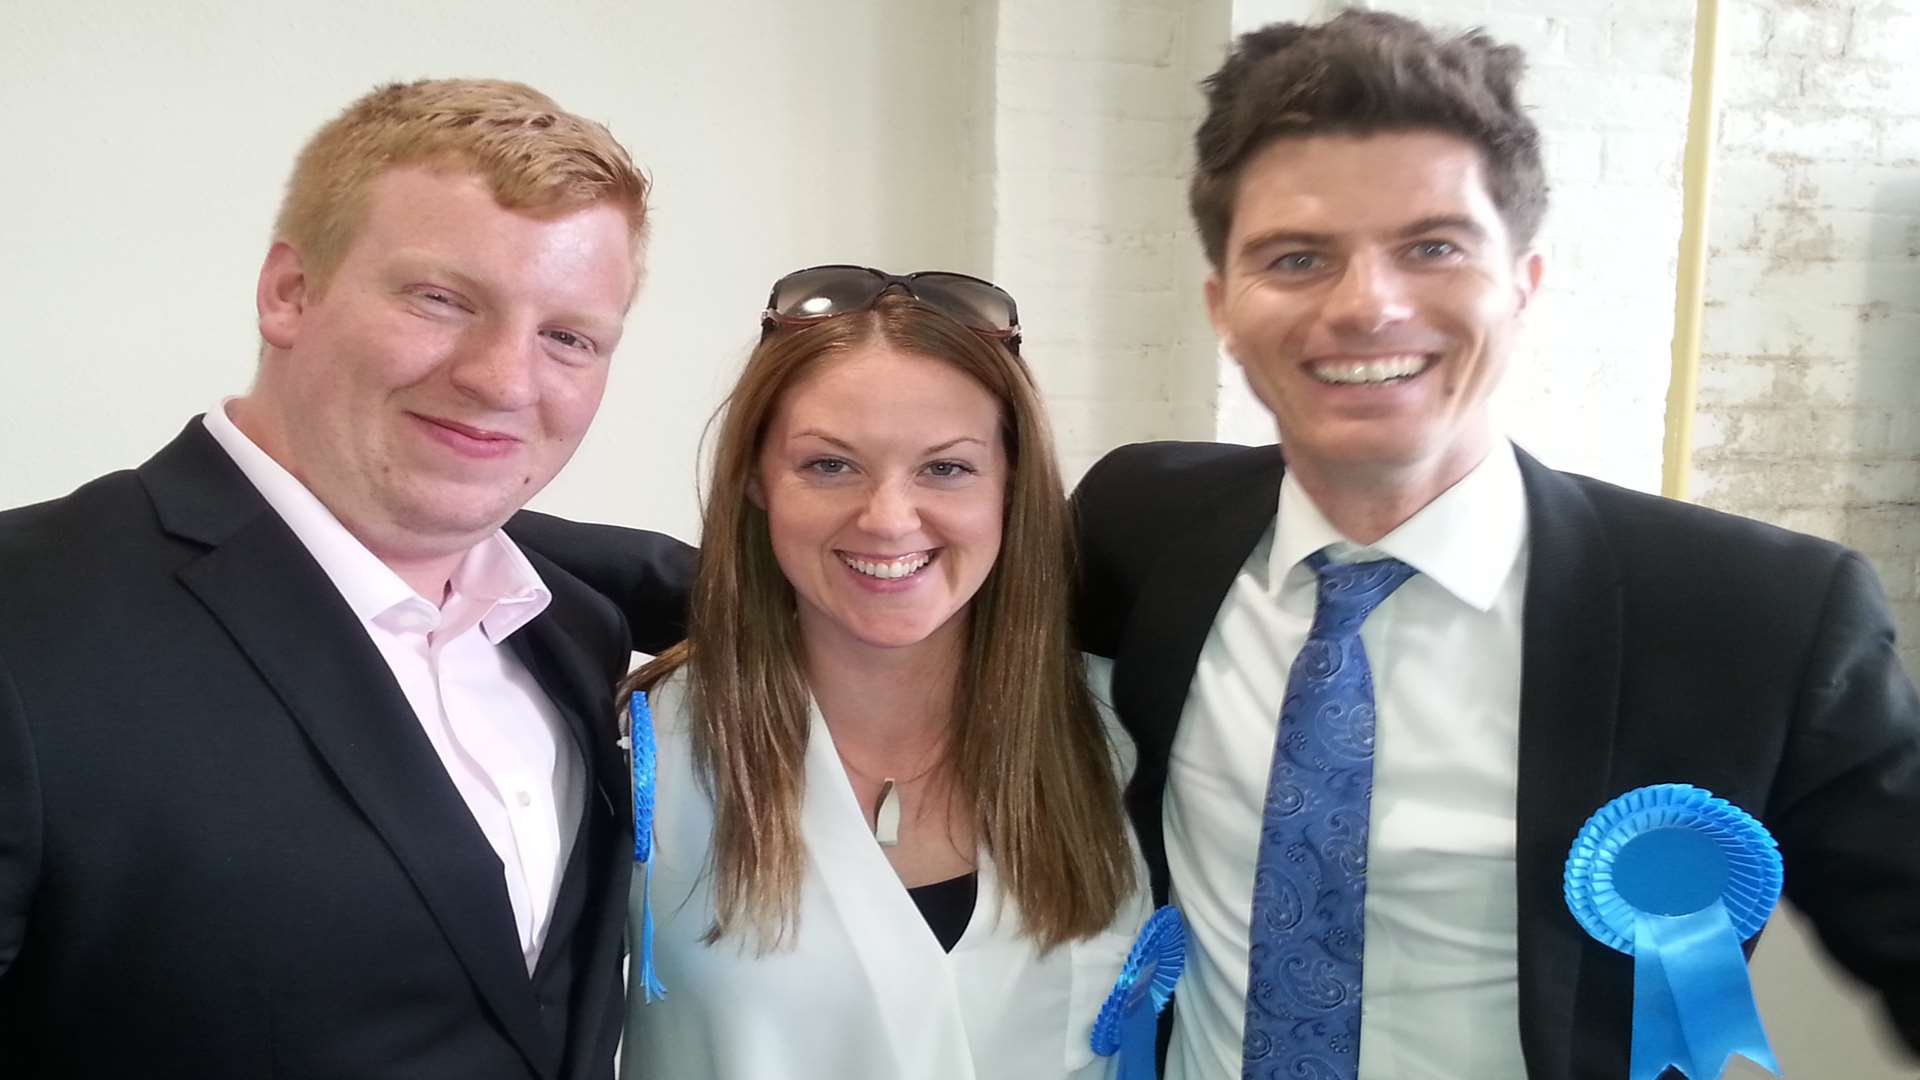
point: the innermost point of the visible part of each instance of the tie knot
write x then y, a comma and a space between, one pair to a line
1350, 591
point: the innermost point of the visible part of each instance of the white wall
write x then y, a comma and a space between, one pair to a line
1810, 383
1095, 107
150, 144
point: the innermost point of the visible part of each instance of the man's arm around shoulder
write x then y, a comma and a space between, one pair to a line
20, 853
1126, 506
647, 575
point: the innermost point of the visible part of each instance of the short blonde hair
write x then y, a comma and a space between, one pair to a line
533, 154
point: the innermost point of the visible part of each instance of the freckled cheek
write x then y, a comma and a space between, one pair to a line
980, 529
801, 529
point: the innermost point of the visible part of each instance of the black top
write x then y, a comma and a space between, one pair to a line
947, 906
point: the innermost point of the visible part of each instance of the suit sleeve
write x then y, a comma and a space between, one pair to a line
647, 575
20, 827
1101, 598
1848, 797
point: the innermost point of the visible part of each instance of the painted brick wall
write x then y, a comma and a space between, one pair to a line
1095, 102
1809, 410
1810, 384
1610, 86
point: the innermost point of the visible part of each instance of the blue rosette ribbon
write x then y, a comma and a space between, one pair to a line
1129, 1019
640, 743
1677, 878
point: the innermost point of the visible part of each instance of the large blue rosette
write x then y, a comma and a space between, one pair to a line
1129, 1019
640, 743
1677, 878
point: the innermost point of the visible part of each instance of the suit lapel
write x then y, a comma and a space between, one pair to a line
1569, 701
589, 915
580, 690
285, 615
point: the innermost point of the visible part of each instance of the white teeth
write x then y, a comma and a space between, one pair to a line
890, 569
1376, 370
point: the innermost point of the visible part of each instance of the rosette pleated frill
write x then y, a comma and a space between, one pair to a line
643, 753
1129, 1019
1678, 878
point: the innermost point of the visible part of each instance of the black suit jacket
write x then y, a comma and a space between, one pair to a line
1662, 643
226, 846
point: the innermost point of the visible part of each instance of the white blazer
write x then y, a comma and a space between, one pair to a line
862, 989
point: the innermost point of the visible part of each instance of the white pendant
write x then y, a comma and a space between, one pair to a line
886, 820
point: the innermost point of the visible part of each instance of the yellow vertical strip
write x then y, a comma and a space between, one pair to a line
1690, 288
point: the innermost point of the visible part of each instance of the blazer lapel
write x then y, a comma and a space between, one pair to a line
582, 692
1175, 609
918, 1010
593, 903
1569, 701
285, 615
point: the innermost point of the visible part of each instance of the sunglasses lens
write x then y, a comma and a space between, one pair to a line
824, 290
974, 302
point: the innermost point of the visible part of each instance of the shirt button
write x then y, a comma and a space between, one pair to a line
523, 798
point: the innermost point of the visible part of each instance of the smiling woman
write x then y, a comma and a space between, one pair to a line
889, 827
884, 521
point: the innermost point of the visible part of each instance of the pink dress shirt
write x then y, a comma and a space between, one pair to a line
504, 745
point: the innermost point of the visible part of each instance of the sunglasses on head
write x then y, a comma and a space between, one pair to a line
821, 292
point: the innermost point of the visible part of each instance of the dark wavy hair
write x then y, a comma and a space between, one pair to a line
1362, 73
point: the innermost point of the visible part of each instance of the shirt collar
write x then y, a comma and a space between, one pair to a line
497, 575
494, 578
1466, 540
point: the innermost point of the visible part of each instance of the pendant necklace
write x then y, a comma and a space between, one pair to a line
886, 810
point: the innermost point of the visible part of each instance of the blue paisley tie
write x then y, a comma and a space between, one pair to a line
1310, 885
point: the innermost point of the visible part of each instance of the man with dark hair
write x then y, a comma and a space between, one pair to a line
1381, 673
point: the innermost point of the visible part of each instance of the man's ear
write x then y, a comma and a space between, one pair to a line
281, 295
1526, 278
1216, 291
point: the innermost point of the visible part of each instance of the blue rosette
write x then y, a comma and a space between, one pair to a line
1677, 878
640, 743
1129, 1019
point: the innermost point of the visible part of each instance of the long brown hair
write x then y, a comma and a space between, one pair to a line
1029, 751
